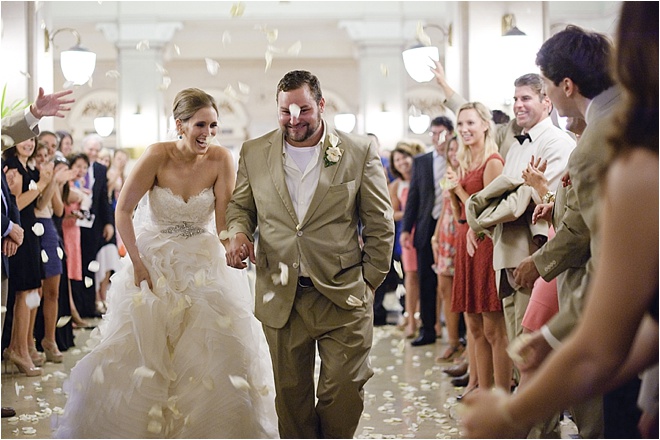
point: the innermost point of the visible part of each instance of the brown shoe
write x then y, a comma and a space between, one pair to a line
8, 411
456, 370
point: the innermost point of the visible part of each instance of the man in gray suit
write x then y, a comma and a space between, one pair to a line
575, 68
307, 188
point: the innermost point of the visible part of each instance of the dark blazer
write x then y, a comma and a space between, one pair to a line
9, 213
101, 209
421, 197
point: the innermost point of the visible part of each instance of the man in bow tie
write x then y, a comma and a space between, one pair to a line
306, 186
540, 139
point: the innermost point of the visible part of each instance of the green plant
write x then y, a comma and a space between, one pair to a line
15, 106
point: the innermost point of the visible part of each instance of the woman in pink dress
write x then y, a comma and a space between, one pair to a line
474, 292
401, 160
73, 197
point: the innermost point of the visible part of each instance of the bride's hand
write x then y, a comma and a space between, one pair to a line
141, 273
240, 248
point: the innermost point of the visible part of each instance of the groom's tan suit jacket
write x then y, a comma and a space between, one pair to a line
351, 193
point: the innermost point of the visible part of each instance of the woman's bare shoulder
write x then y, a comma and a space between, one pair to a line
634, 174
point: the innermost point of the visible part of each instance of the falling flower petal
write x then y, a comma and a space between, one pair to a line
244, 88
62, 321
353, 301
237, 9
154, 426
44, 256
294, 110
226, 38
144, 372
88, 282
268, 296
113, 74
212, 66
32, 186
38, 229
165, 84
384, 70
271, 35
156, 411
60, 253
7, 140
142, 45
67, 84
18, 388
161, 69
32, 300
239, 382
229, 90
97, 375
294, 49
269, 59
284, 274
422, 36
93, 266
26, 74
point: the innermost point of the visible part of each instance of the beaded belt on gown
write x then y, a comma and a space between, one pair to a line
184, 229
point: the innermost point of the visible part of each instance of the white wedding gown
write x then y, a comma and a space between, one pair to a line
188, 360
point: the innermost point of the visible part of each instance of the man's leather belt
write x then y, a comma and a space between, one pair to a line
305, 282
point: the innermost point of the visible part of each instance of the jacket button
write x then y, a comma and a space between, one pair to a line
295, 265
299, 233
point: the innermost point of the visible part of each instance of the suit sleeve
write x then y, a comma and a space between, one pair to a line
376, 215
241, 214
105, 208
569, 245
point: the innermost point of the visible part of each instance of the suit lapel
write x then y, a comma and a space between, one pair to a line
275, 166
327, 175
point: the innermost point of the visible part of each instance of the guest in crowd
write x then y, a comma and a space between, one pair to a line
65, 147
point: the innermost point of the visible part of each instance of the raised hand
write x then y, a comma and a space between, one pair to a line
51, 105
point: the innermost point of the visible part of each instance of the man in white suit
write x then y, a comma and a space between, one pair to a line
315, 194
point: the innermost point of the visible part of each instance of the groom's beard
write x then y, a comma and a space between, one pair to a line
301, 132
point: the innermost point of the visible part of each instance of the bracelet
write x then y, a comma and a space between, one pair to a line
549, 197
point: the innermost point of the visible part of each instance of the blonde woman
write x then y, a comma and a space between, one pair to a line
474, 292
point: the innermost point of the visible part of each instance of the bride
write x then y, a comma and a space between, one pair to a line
181, 356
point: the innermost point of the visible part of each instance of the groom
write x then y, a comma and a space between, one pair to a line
312, 191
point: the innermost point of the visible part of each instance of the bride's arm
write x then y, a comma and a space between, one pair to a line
223, 189
140, 180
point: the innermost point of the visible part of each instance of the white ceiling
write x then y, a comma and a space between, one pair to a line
319, 25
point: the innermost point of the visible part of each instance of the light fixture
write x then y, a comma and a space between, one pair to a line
104, 125
77, 63
509, 28
418, 59
345, 122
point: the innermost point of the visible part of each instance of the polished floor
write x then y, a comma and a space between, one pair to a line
408, 397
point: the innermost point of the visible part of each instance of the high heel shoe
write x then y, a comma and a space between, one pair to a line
38, 358
53, 354
24, 367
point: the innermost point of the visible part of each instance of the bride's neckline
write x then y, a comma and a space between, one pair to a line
178, 196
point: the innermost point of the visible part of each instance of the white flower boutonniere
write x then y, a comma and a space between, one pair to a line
332, 153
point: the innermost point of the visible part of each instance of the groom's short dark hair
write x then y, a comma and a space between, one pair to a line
298, 78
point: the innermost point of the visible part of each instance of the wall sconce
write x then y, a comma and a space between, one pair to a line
417, 60
77, 63
509, 28
345, 122
104, 125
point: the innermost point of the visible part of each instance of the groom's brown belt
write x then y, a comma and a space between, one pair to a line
305, 282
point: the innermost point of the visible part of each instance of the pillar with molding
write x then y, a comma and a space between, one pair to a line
141, 111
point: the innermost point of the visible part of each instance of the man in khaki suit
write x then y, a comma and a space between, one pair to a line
308, 188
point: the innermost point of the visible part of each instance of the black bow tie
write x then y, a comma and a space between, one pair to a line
521, 138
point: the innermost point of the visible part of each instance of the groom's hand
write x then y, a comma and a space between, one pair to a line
240, 248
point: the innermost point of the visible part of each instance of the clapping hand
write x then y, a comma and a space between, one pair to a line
543, 212
534, 175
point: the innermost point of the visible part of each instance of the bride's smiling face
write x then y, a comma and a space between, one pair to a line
198, 131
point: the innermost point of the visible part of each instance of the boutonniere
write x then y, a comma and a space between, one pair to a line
333, 152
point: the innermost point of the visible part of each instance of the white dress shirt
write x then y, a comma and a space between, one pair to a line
439, 168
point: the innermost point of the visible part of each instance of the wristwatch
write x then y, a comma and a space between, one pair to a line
549, 197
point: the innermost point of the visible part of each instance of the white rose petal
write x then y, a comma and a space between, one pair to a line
244, 88
268, 296
156, 411
294, 110
32, 300
38, 229
269, 60
97, 375
67, 84
144, 372
32, 185
284, 274
94, 266
60, 253
177, 50
353, 301
294, 49
226, 38
112, 74
422, 36
18, 388
142, 45
212, 66
88, 282
154, 427
239, 382
237, 9
62, 321
44, 256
